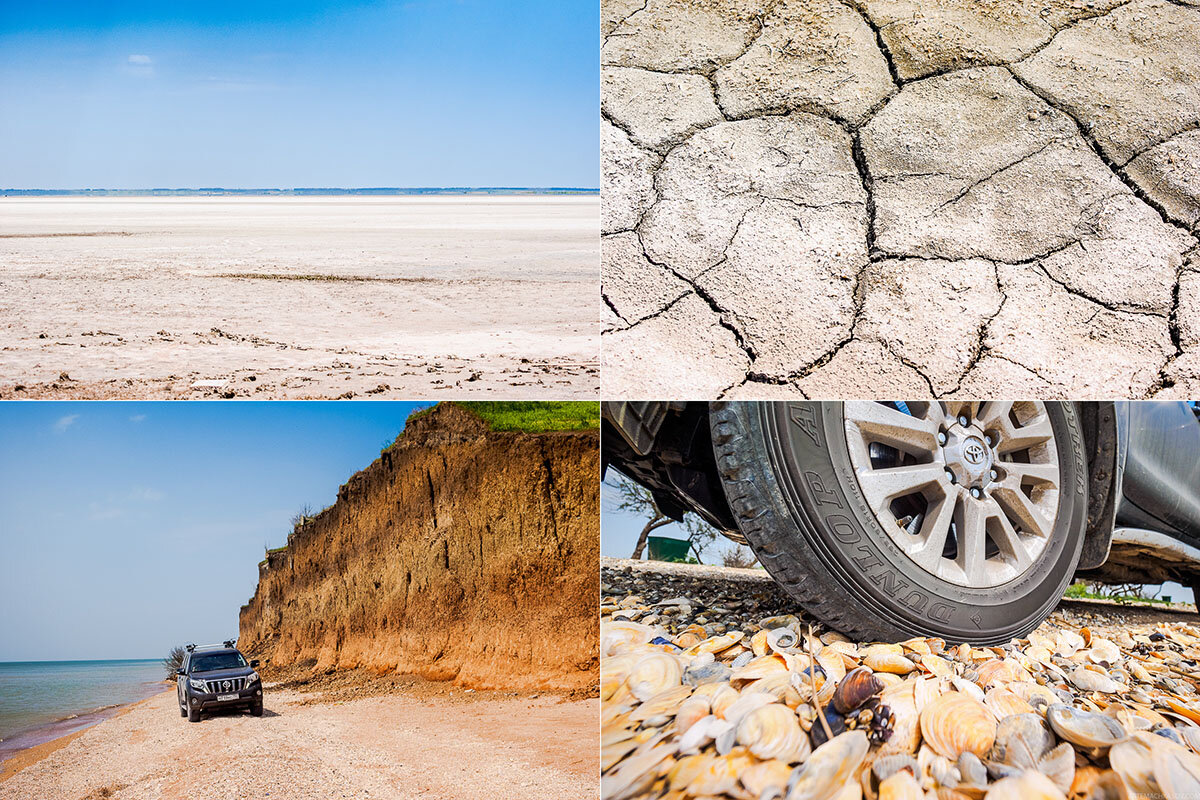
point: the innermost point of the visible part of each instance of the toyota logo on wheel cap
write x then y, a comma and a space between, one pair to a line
974, 452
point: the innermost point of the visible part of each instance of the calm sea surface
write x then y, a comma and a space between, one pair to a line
40, 700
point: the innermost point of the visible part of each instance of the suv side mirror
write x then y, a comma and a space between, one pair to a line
253, 662
180, 673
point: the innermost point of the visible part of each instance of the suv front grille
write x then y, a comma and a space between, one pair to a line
226, 685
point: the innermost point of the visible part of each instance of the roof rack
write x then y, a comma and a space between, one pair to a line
228, 643
191, 646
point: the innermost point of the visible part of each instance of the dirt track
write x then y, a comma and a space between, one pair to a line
298, 297
946, 198
381, 748
759, 596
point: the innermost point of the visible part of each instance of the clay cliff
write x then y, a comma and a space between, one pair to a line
461, 554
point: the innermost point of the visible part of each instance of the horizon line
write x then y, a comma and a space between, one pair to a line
282, 190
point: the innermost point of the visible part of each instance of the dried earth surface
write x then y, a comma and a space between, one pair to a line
708, 690
298, 297
953, 198
426, 744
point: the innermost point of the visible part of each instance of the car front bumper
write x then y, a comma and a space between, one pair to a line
204, 700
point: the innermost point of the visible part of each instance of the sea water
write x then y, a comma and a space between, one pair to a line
41, 700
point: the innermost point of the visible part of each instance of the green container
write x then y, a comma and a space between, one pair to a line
664, 548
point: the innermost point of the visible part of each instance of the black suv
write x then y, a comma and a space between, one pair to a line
217, 676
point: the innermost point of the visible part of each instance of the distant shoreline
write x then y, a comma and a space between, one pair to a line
302, 192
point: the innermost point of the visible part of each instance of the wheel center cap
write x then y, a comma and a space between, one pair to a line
968, 456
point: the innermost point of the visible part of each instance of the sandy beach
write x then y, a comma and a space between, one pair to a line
299, 297
427, 745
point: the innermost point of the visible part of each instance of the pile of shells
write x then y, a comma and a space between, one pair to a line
780, 708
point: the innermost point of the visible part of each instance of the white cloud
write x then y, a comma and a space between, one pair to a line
65, 422
140, 60
137, 418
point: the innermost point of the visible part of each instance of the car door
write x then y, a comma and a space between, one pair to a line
1161, 487
180, 685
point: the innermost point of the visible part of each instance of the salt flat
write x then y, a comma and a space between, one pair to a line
299, 297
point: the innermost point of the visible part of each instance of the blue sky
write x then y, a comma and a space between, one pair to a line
126, 528
144, 94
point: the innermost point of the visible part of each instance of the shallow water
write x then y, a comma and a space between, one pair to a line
40, 700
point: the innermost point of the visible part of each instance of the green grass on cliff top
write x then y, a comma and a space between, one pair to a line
532, 417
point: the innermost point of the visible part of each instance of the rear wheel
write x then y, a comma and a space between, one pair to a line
888, 520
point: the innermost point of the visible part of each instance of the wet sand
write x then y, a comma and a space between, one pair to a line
490, 747
299, 297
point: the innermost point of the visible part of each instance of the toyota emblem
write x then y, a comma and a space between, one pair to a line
974, 452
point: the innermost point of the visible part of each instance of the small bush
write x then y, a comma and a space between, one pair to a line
173, 662
536, 417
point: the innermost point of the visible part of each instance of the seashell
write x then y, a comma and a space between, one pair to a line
716, 644
654, 673
701, 732
836, 723
900, 786
1036, 695
1085, 778
968, 688
971, 770
782, 638
663, 703
856, 688
937, 665
759, 668
713, 672
1182, 708
830, 767
758, 643
766, 778
999, 670
780, 685
742, 660
832, 663
616, 636
1084, 728
1021, 740
1067, 643
1090, 679
1103, 651
906, 730
1132, 759
721, 776
941, 769
1191, 737
1059, 766
1004, 702
722, 698
1108, 786
889, 662
773, 732
635, 774
885, 766
888, 679
690, 712
1026, 786
1177, 772
747, 701
1168, 733
954, 723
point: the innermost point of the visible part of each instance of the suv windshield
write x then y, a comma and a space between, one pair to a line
211, 661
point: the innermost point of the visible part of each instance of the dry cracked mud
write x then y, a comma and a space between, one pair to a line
950, 198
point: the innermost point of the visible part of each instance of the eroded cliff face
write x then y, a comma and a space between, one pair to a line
460, 554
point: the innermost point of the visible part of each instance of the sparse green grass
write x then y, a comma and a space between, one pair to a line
1078, 590
534, 417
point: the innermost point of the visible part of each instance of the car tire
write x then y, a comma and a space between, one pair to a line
798, 499
256, 709
193, 715
182, 711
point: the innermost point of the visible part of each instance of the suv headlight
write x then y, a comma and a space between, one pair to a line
198, 685
252, 678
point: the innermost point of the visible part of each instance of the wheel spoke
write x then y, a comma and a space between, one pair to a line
1034, 473
1036, 431
972, 541
882, 485
1028, 516
879, 423
1009, 542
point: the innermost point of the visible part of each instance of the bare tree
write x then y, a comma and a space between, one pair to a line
636, 499
302, 516
173, 662
737, 555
